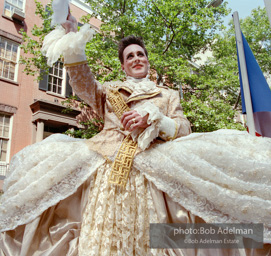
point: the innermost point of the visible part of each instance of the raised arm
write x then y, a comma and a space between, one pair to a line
81, 78
86, 87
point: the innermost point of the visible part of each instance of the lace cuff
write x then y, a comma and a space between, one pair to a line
168, 128
145, 136
71, 45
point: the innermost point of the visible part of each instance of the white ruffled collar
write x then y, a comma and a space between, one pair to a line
140, 86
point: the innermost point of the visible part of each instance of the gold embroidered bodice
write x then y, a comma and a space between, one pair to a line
108, 141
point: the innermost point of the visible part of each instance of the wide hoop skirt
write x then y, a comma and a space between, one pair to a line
62, 204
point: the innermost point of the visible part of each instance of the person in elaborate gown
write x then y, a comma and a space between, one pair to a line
66, 196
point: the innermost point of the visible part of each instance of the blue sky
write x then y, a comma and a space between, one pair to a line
243, 7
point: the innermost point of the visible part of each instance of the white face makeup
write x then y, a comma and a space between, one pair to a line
135, 61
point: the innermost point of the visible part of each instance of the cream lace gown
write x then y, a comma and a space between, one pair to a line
58, 201
62, 204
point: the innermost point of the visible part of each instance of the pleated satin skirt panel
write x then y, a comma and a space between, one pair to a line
55, 232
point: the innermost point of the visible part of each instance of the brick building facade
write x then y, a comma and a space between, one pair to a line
29, 110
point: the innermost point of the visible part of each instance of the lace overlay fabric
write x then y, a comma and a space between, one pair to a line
140, 86
43, 174
145, 136
222, 177
115, 221
217, 176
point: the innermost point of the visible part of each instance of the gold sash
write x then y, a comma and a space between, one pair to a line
124, 159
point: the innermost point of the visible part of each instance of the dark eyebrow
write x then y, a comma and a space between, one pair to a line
140, 52
131, 53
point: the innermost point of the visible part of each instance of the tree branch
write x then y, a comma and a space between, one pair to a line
123, 7
171, 23
195, 89
171, 40
237, 101
108, 68
165, 20
123, 11
171, 28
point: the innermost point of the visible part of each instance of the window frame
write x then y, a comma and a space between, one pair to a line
8, 2
5, 60
66, 87
63, 82
8, 139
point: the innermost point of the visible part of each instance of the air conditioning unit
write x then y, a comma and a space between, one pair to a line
18, 15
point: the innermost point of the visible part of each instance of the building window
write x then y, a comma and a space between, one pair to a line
4, 136
55, 79
8, 58
10, 5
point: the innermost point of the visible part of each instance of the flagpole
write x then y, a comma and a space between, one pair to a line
268, 9
243, 70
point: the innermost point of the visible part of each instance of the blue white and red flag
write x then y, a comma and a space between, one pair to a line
259, 91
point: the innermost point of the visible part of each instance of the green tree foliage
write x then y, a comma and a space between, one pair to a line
213, 98
174, 32
90, 129
33, 59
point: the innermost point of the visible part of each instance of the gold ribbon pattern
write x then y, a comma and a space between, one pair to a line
124, 159
117, 102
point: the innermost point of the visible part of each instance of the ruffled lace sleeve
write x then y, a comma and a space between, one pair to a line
72, 47
145, 136
174, 124
167, 127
